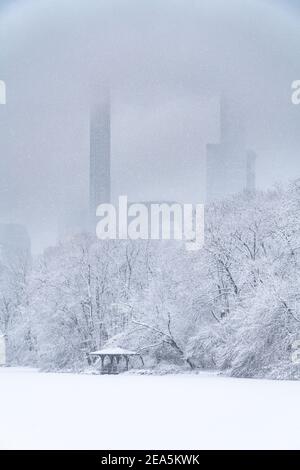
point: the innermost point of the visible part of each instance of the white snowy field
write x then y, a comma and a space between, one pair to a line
66, 411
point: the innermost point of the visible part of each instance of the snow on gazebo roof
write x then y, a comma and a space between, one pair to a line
114, 352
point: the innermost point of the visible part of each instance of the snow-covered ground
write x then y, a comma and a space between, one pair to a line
66, 411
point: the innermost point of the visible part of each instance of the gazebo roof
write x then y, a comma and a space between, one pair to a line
114, 352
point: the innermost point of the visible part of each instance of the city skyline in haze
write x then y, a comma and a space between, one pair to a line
167, 66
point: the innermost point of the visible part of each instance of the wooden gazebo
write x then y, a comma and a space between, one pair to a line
112, 359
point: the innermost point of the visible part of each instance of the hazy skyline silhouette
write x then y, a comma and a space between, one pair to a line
167, 63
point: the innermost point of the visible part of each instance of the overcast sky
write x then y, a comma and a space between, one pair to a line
167, 62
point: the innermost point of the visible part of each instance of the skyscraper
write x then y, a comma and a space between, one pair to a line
14, 243
230, 167
100, 149
2, 92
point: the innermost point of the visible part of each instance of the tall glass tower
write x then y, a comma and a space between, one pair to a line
230, 166
100, 150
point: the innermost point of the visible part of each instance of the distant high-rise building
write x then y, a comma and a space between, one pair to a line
251, 174
100, 150
2, 349
14, 242
2, 92
230, 167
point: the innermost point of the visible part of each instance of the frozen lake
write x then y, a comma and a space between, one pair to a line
67, 411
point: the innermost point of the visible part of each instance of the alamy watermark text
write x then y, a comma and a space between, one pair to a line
152, 221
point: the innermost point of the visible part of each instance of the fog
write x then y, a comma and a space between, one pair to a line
167, 62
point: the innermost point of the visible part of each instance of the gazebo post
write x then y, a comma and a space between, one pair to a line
112, 363
102, 362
